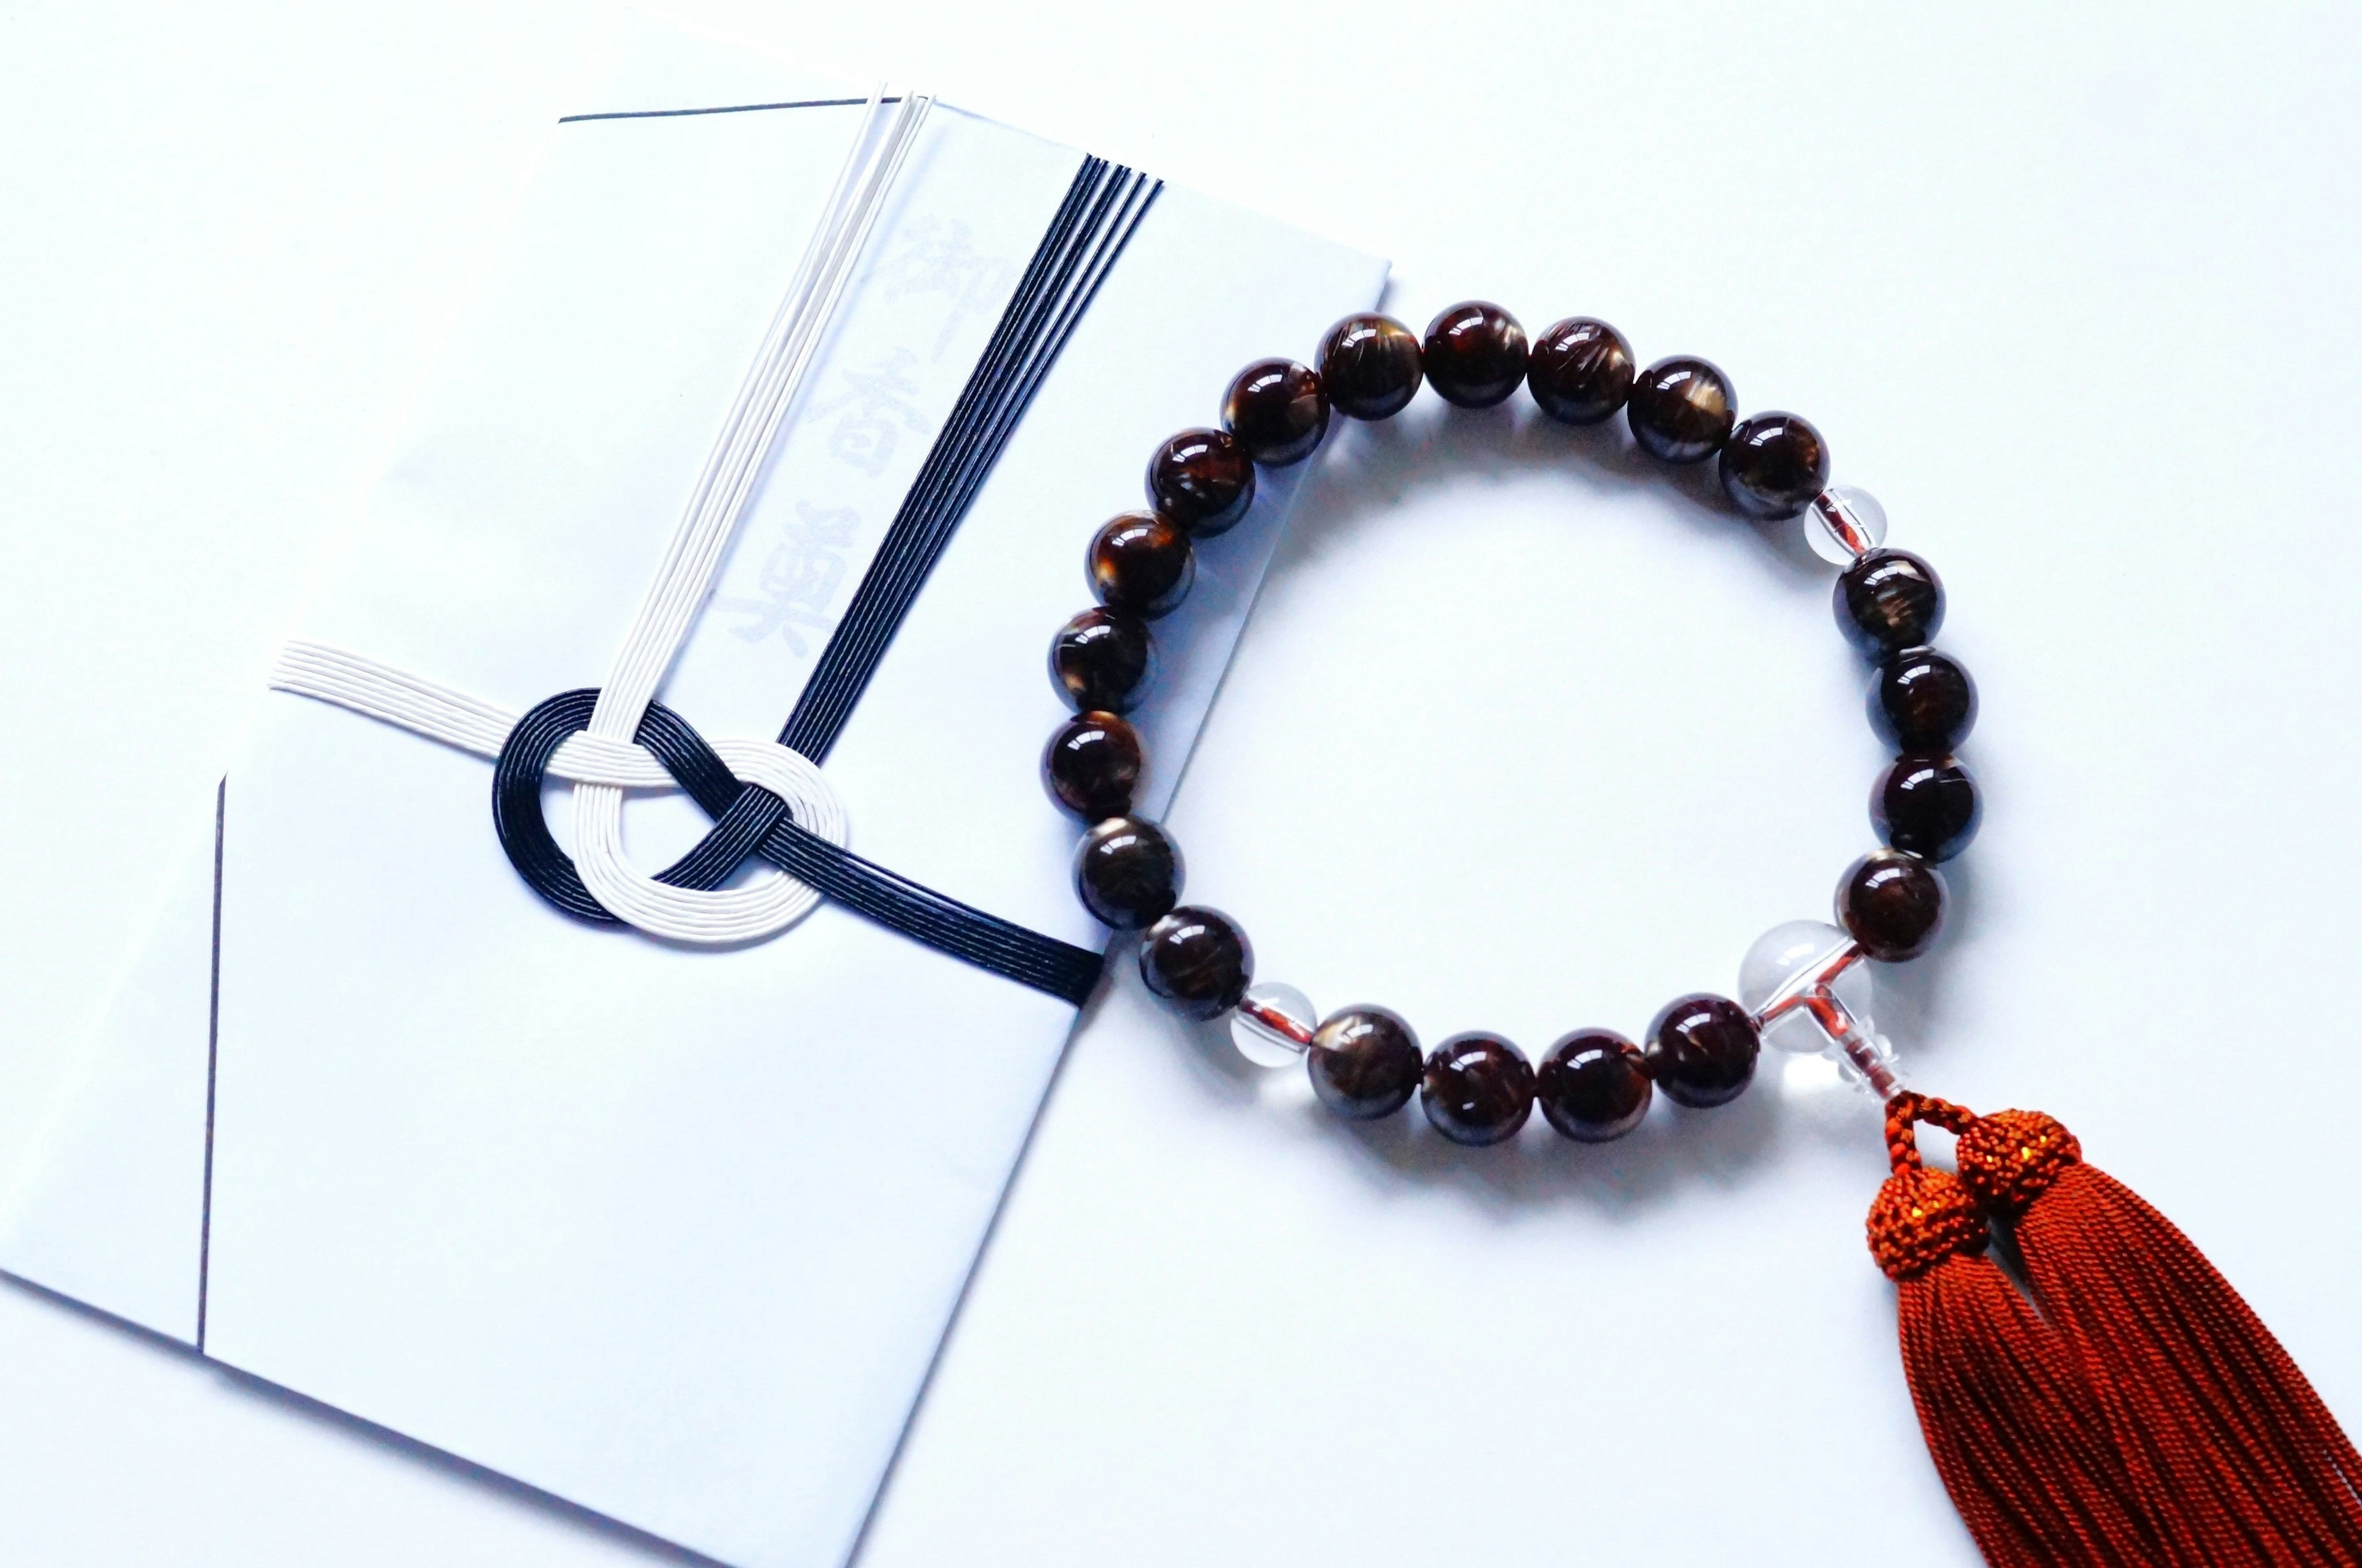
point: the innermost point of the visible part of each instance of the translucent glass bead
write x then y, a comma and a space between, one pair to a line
1812, 982
1776, 958
1838, 511
1272, 1024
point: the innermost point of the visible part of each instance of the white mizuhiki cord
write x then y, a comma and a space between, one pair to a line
770, 900
457, 719
471, 723
601, 761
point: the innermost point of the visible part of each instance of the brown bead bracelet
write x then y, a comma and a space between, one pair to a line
1802, 985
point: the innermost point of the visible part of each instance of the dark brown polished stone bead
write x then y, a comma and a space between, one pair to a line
1773, 465
1923, 701
1370, 366
1128, 872
1593, 1085
1141, 563
1364, 1063
1476, 354
1579, 371
1892, 905
1889, 600
1925, 804
1202, 479
1100, 659
1278, 410
1198, 961
1092, 765
1478, 1089
1701, 1050
1681, 409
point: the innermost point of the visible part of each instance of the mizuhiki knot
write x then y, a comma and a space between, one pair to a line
2012, 1157
1920, 1218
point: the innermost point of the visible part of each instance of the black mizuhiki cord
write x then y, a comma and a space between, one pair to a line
749, 819
1103, 206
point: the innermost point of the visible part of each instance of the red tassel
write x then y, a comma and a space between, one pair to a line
2010, 1420
2250, 1467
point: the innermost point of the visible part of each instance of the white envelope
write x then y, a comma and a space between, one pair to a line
672, 1233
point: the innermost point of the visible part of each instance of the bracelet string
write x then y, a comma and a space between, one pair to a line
2117, 1402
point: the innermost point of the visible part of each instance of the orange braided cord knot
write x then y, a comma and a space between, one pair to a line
1919, 1219
1905, 1110
2012, 1157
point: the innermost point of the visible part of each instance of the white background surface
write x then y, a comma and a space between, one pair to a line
1520, 736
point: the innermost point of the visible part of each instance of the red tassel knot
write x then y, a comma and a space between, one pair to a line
1921, 1218
2012, 1157
1905, 1110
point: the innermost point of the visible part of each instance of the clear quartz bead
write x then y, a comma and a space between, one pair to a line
1845, 523
1272, 1024
1776, 958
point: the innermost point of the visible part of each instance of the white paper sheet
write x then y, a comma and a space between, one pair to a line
673, 1234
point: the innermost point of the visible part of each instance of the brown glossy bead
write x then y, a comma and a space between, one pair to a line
1364, 1063
1370, 366
1593, 1085
1889, 600
1477, 1089
1092, 765
1203, 480
1892, 905
1680, 409
1278, 410
1141, 563
1476, 354
1925, 804
1198, 961
1579, 371
1100, 659
1701, 1050
1923, 701
1773, 465
1128, 872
